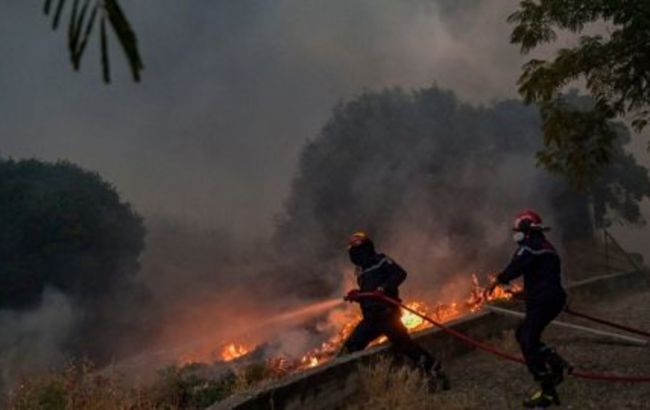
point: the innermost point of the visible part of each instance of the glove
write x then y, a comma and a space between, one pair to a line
352, 295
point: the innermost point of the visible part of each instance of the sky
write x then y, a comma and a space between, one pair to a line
232, 90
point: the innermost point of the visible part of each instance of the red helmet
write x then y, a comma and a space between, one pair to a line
528, 220
357, 239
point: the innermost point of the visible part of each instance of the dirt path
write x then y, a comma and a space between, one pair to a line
482, 381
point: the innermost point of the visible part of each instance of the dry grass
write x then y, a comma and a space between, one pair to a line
80, 387
254, 377
385, 386
77, 387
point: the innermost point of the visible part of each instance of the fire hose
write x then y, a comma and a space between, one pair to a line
356, 296
568, 310
572, 312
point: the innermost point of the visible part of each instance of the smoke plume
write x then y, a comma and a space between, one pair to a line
232, 109
34, 340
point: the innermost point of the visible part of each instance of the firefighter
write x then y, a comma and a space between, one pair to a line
537, 260
376, 272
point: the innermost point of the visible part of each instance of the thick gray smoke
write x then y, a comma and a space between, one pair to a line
34, 340
232, 90
206, 147
434, 180
437, 182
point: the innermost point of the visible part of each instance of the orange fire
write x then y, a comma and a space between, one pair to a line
309, 361
441, 313
347, 319
207, 353
412, 321
233, 351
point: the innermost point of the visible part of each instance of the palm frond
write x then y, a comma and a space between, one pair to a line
82, 18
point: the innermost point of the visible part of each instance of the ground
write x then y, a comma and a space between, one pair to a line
480, 381
483, 381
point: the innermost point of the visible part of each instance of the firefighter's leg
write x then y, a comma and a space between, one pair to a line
557, 365
537, 354
402, 342
364, 333
528, 336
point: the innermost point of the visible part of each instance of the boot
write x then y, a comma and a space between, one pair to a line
542, 398
558, 366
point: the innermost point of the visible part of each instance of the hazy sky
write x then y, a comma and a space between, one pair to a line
232, 90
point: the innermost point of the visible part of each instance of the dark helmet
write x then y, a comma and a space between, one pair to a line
528, 220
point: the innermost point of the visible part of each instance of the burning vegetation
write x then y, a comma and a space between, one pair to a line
343, 320
233, 351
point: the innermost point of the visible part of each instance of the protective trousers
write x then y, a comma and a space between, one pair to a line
538, 315
389, 325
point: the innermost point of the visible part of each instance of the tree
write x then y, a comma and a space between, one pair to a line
65, 228
615, 69
81, 25
442, 177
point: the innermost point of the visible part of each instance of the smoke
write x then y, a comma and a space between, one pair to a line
436, 182
468, 232
34, 340
232, 90
206, 148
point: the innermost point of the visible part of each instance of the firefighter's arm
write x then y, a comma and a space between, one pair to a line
396, 276
518, 265
352, 295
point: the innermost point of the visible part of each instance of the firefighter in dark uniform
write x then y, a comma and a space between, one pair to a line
376, 272
537, 260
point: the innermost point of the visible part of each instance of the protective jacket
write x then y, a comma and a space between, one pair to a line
382, 272
539, 263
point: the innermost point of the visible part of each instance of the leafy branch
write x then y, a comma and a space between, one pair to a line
83, 16
615, 70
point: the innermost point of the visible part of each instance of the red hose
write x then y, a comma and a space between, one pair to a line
572, 312
494, 350
607, 322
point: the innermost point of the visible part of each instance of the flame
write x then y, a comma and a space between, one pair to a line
412, 321
233, 351
345, 320
478, 297
309, 361
442, 312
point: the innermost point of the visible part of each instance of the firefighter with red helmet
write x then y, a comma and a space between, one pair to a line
376, 272
539, 263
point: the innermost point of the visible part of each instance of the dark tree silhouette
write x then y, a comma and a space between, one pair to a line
448, 172
67, 229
